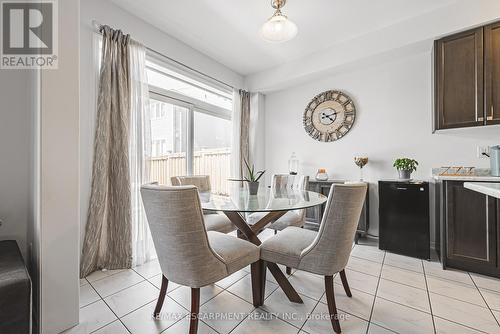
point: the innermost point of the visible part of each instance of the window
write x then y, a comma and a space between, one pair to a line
191, 127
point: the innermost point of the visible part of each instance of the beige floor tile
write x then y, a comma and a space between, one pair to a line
404, 294
243, 288
112, 284
130, 299
404, 276
156, 281
492, 299
360, 304
141, 321
294, 313
368, 253
319, 322
93, 317
359, 281
225, 312
231, 279
113, 328
83, 281
485, 282
447, 327
182, 295
454, 289
87, 295
364, 266
436, 269
463, 313
100, 274
404, 262
376, 329
182, 327
308, 284
261, 322
402, 319
149, 269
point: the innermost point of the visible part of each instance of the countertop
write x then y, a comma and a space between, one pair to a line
490, 189
480, 174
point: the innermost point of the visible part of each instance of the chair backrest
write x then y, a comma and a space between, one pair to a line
330, 251
202, 182
296, 182
178, 230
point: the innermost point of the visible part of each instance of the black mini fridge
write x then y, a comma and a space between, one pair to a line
404, 218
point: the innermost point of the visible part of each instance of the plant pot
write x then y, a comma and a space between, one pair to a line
253, 188
404, 174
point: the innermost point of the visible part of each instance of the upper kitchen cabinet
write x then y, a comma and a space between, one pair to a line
459, 83
492, 73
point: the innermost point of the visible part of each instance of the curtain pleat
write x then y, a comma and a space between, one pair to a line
108, 235
244, 130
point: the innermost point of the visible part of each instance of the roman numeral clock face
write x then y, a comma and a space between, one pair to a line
329, 116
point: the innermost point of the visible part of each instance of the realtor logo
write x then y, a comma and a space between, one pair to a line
29, 34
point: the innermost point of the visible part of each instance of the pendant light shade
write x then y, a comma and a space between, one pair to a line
278, 28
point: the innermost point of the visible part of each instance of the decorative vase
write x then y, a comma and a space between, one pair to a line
360, 162
404, 174
253, 188
293, 164
322, 175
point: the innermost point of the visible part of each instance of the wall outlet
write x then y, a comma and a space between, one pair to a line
481, 150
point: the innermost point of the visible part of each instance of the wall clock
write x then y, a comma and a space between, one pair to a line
329, 116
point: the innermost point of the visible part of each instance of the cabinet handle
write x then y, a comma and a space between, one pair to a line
399, 188
492, 110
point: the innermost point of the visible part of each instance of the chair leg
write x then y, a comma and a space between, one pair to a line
258, 273
332, 308
161, 298
275, 232
345, 284
288, 270
195, 310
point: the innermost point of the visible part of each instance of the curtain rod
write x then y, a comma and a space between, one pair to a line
98, 27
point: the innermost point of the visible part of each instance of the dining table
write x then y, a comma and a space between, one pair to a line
275, 202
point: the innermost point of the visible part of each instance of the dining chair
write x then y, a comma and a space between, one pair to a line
327, 251
187, 253
214, 221
291, 218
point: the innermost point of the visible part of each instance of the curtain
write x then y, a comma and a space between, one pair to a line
140, 153
244, 143
108, 234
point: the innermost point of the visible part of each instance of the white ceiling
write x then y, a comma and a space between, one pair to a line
227, 30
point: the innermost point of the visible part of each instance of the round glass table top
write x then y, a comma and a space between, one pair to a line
266, 200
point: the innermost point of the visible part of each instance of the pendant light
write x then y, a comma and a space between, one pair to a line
278, 28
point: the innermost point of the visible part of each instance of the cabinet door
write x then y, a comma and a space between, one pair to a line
459, 80
492, 73
471, 226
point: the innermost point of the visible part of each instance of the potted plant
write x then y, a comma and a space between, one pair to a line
252, 178
405, 167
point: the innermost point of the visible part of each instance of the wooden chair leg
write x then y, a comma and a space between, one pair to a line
332, 308
195, 310
161, 298
288, 270
258, 273
345, 284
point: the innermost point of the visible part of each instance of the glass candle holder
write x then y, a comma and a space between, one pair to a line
322, 175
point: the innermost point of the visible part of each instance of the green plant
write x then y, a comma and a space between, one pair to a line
406, 164
252, 175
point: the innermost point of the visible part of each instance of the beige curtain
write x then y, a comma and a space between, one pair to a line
244, 131
108, 237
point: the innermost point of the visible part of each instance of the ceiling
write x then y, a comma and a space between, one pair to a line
228, 30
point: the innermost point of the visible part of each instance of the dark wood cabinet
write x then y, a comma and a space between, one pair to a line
467, 78
470, 223
459, 80
492, 73
315, 214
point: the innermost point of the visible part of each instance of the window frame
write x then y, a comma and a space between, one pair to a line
191, 104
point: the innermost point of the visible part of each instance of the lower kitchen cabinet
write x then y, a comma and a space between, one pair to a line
469, 229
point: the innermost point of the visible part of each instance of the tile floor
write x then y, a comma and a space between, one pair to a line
391, 294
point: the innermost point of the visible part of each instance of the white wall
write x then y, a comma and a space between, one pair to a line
394, 117
106, 12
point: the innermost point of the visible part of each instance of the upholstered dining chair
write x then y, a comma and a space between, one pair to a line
213, 221
187, 253
327, 251
291, 218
